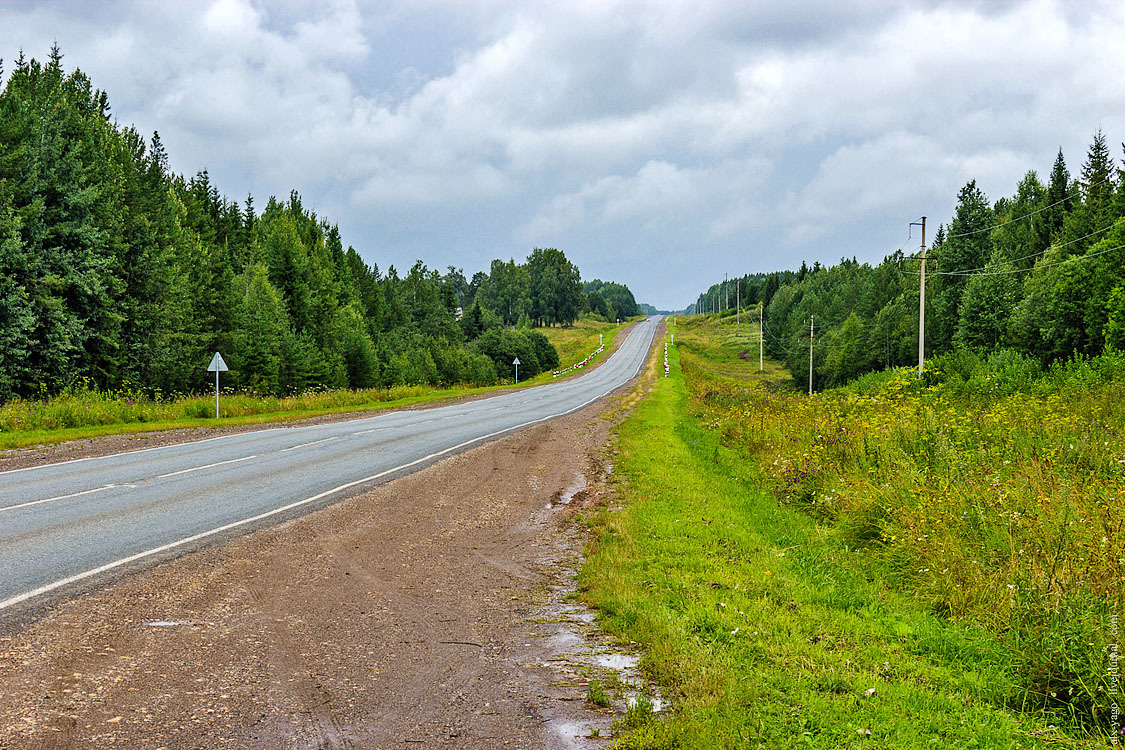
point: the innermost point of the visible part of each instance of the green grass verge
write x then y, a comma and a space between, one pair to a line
762, 627
576, 342
96, 415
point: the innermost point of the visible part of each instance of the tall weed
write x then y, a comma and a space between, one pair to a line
991, 489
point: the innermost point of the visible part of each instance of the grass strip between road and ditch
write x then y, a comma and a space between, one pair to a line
85, 412
759, 624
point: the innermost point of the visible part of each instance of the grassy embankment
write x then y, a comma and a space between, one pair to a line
935, 563
579, 340
84, 412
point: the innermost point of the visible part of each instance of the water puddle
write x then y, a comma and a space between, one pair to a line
618, 662
165, 623
576, 487
574, 733
579, 659
656, 701
563, 640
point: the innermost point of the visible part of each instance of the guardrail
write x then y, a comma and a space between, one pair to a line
580, 365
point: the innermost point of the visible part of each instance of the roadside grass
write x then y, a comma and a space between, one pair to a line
87, 412
766, 626
84, 411
989, 491
578, 341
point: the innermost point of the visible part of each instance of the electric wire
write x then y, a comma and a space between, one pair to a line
1071, 259
985, 269
982, 270
1069, 196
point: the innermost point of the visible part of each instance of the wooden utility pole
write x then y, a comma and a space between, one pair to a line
922, 302
737, 305
761, 333
810, 349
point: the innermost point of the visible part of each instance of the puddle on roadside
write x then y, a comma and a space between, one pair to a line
577, 652
165, 623
576, 487
618, 662
656, 701
573, 733
563, 640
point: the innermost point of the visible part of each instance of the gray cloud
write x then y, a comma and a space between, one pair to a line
658, 144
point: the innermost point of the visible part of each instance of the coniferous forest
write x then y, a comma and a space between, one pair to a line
115, 271
1028, 279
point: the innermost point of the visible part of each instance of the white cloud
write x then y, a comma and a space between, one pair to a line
690, 131
231, 20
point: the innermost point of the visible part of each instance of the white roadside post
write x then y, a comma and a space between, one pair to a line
217, 365
516, 362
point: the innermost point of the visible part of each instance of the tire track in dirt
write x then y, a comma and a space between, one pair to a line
402, 617
398, 618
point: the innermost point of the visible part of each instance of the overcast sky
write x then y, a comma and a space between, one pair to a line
658, 144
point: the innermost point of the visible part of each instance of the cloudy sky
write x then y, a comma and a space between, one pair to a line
659, 144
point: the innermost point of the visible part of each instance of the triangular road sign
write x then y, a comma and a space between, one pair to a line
217, 364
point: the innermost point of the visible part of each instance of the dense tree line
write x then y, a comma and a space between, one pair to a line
1040, 273
544, 291
752, 289
609, 300
113, 270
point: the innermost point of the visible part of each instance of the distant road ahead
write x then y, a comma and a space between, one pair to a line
65, 523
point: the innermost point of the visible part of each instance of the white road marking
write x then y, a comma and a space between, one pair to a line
60, 497
305, 445
12, 601
190, 442
129, 453
201, 468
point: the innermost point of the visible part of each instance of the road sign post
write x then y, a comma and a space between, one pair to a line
217, 365
516, 362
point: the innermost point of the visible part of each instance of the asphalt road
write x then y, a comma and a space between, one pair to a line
63, 525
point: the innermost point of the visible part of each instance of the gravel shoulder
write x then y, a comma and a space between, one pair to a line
402, 617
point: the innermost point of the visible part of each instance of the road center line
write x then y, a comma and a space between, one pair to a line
60, 497
201, 468
305, 445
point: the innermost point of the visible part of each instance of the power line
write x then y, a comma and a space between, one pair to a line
984, 269
820, 339
1071, 259
910, 232
1030, 213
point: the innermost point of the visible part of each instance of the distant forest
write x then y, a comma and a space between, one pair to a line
1038, 275
114, 271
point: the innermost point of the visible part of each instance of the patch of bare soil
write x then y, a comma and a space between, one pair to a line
404, 617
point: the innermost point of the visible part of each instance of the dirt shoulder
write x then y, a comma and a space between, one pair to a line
402, 617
